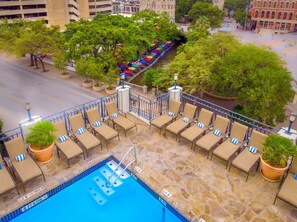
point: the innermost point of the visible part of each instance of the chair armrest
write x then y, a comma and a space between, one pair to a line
122, 113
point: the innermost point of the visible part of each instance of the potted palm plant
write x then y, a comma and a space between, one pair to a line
274, 159
41, 140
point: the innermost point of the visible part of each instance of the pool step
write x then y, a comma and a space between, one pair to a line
112, 165
97, 196
106, 172
102, 185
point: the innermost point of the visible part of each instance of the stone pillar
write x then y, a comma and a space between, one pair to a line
144, 89
175, 94
123, 100
25, 124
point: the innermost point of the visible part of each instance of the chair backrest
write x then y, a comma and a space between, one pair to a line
189, 111
93, 115
257, 140
111, 108
205, 116
221, 123
76, 122
294, 166
238, 131
174, 106
61, 129
15, 147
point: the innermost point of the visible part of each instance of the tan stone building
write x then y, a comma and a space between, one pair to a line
54, 12
160, 6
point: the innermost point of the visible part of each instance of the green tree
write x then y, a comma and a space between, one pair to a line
258, 79
213, 13
233, 5
241, 16
183, 7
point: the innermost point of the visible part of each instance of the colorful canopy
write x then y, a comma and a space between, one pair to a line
147, 59
135, 65
143, 62
127, 72
132, 68
150, 57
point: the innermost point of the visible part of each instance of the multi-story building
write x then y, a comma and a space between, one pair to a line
54, 12
279, 15
160, 6
125, 6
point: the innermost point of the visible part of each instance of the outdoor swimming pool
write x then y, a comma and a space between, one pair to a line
87, 198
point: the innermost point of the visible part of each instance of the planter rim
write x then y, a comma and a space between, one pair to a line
275, 168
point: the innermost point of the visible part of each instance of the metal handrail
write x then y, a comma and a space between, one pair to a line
107, 183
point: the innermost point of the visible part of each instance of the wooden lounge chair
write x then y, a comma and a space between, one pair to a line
68, 147
104, 130
246, 160
227, 149
121, 119
179, 125
87, 139
161, 121
288, 191
7, 182
209, 140
192, 133
26, 169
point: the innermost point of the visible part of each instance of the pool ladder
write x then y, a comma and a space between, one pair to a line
108, 183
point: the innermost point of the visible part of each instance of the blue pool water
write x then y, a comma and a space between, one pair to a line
88, 199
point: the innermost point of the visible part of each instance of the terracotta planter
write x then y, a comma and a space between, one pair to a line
43, 156
65, 76
87, 83
270, 173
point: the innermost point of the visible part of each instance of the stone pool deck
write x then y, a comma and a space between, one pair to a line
200, 188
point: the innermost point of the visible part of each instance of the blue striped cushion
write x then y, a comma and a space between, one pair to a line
186, 120
0, 166
200, 125
63, 138
81, 130
170, 114
97, 123
252, 149
115, 115
234, 140
295, 177
217, 132
20, 157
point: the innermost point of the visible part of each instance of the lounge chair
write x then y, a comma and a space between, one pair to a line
203, 123
288, 191
230, 146
187, 117
118, 117
103, 130
86, 138
246, 159
161, 121
26, 169
68, 147
209, 140
7, 182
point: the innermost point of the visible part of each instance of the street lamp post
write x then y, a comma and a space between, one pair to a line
28, 108
123, 80
175, 78
291, 121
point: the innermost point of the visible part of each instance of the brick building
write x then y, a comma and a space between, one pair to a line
278, 15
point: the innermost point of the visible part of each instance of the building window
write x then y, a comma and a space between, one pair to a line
272, 15
258, 4
287, 4
285, 15
291, 16
269, 4
274, 5
264, 4
293, 5
256, 14
281, 5
262, 14
279, 15
268, 14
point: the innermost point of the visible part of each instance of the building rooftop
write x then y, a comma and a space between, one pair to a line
200, 188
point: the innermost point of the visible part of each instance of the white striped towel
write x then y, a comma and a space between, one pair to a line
217, 132
20, 157
170, 114
234, 140
200, 125
97, 123
185, 119
252, 149
81, 130
63, 138
115, 115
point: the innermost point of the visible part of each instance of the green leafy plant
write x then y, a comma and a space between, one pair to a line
277, 150
1, 124
41, 135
